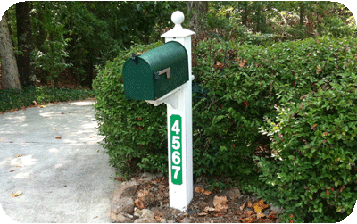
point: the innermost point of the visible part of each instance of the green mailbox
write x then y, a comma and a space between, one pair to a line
155, 73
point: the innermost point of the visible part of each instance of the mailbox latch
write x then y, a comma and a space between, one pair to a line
158, 73
134, 58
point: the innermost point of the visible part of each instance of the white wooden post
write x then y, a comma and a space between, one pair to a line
181, 195
179, 124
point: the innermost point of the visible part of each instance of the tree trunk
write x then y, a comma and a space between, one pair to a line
24, 42
41, 37
245, 13
258, 15
301, 14
8, 61
197, 12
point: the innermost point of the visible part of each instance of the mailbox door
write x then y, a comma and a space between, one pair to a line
138, 80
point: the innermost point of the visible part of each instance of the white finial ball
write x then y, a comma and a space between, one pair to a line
177, 17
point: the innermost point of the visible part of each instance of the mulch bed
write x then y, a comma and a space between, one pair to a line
219, 205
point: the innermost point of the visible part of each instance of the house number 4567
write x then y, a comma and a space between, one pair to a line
176, 149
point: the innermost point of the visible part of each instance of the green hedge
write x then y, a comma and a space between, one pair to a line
11, 99
314, 174
135, 132
230, 107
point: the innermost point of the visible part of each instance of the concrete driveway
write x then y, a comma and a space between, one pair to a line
51, 155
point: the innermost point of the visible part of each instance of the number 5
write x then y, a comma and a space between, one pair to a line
175, 142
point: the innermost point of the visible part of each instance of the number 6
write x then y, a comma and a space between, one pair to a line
176, 157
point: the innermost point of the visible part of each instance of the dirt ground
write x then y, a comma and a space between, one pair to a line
219, 206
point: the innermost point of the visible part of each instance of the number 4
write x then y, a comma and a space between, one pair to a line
175, 127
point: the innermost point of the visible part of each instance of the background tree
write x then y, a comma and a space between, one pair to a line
24, 39
51, 57
197, 12
8, 61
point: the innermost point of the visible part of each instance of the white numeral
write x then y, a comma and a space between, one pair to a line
177, 169
176, 157
175, 127
175, 142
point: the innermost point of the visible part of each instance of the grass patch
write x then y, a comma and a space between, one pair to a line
12, 99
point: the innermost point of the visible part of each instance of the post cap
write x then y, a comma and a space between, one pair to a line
177, 18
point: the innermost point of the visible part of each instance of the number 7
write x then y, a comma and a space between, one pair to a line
177, 169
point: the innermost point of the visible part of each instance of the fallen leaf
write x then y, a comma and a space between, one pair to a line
18, 166
95, 217
242, 63
207, 193
318, 71
158, 216
260, 215
217, 214
18, 155
199, 189
219, 203
42, 106
291, 215
218, 65
12, 170
249, 205
248, 213
341, 189
209, 209
18, 193
142, 194
202, 214
291, 221
243, 206
260, 206
34, 102
248, 220
139, 204
58, 137
272, 215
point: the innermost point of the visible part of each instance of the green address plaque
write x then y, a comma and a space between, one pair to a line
176, 149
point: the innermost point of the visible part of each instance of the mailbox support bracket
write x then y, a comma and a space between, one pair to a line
170, 98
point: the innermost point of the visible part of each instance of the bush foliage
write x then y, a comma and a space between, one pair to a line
314, 147
11, 99
236, 90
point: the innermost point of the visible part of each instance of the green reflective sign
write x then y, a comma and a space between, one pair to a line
176, 149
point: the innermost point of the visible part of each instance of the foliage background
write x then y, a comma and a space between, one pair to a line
232, 104
70, 39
